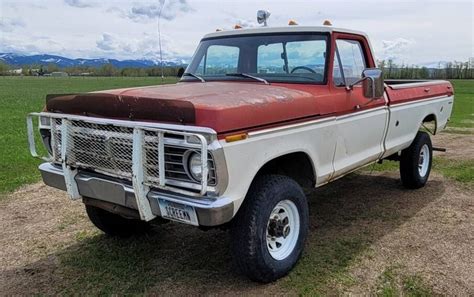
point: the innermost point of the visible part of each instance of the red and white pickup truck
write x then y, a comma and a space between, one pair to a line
259, 115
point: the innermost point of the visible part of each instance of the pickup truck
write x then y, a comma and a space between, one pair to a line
259, 116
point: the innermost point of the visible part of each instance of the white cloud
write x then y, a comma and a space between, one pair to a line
36, 46
169, 10
145, 46
247, 23
9, 24
397, 49
128, 29
79, 3
107, 42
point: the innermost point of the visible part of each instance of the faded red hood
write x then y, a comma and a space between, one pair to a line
222, 106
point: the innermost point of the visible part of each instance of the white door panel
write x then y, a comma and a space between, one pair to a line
359, 139
244, 158
406, 119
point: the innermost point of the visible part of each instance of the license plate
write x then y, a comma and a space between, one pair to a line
178, 212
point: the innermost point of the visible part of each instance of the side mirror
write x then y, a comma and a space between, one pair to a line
180, 72
372, 83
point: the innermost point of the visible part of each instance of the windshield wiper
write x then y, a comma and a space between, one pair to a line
194, 75
248, 76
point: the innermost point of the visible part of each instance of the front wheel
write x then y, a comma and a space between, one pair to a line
269, 231
415, 162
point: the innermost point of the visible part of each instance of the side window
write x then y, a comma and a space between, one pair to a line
219, 59
352, 59
337, 74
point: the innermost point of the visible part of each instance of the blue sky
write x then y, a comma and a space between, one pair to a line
407, 31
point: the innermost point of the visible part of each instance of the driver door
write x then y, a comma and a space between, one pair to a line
361, 122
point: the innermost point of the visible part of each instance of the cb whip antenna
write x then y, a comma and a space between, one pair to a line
162, 3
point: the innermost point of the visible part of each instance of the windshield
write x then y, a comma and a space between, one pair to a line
299, 58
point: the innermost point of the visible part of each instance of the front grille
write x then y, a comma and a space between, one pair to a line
108, 149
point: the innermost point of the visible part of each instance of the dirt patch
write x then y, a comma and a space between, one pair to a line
49, 247
436, 244
458, 146
363, 223
360, 226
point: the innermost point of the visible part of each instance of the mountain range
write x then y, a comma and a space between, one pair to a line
18, 60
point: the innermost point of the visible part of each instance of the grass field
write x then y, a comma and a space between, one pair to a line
363, 218
463, 111
21, 95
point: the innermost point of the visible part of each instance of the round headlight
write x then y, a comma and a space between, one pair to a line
195, 166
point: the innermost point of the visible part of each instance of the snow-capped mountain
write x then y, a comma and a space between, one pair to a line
24, 60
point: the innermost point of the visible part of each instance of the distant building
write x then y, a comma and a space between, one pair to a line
59, 74
15, 71
35, 72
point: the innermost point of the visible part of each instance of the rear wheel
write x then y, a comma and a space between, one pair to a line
269, 231
415, 162
115, 225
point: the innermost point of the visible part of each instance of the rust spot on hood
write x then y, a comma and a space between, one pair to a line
122, 107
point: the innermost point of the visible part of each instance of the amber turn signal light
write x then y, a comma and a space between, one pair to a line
236, 137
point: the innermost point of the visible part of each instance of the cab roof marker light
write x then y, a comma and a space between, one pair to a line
236, 137
237, 26
292, 23
327, 23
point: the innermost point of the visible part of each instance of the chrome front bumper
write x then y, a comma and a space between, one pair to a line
210, 211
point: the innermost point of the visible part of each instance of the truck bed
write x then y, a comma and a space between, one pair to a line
413, 102
401, 91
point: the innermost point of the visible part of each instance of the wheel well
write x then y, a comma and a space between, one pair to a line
297, 166
431, 118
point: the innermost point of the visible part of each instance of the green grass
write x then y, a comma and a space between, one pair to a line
21, 95
461, 171
324, 263
393, 282
461, 131
463, 110
109, 264
458, 170
100, 265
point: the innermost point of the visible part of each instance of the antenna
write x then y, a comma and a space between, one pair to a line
162, 3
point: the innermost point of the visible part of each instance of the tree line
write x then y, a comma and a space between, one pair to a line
391, 70
104, 70
450, 70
